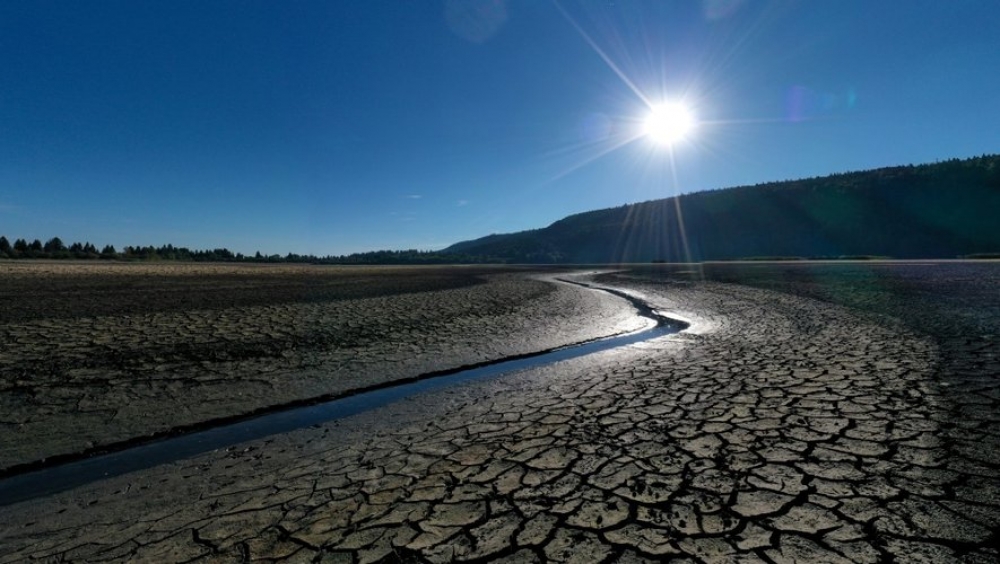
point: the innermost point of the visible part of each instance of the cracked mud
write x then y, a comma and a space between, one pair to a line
779, 428
72, 380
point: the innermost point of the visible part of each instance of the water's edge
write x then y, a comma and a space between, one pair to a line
58, 474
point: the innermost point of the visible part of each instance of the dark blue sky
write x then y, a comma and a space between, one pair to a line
335, 127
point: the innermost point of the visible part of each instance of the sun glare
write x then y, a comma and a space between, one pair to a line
667, 124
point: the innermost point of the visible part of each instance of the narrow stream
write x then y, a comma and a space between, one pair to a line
57, 478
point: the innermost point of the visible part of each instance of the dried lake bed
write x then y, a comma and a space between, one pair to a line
100, 354
835, 412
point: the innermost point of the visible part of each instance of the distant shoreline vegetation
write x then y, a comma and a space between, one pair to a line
55, 249
943, 210
839, 257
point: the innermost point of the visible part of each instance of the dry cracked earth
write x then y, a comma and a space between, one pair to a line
95, 355
821, 421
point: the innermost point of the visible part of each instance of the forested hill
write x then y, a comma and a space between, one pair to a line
942, 210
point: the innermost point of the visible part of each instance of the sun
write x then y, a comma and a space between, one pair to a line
669, 123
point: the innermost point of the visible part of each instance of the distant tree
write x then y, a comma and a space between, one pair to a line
54, 245
4, 246
218, 255
108, 252
34, 250
167, 252
21, 246
82, 251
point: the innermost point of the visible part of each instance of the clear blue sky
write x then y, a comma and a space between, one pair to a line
332, 127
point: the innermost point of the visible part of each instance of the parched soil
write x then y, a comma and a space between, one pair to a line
783, 426
97, 354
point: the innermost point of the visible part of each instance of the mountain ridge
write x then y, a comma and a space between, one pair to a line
939, 210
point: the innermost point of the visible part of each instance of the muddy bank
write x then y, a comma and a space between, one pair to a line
75, 381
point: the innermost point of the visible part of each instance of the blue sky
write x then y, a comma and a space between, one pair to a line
336, 127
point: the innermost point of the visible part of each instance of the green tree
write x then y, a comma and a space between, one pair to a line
4, 246
54, 245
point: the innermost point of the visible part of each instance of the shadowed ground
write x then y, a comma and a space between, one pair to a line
780, 428
96, 354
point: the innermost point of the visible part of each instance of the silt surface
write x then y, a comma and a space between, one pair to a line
99, 354
805, 416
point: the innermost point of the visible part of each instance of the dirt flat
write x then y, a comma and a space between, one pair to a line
779, 428
96, 354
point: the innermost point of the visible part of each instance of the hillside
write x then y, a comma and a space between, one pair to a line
941, 210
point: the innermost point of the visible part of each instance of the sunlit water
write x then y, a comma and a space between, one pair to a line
62, 477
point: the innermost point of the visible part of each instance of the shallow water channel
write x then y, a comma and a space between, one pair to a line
61, 477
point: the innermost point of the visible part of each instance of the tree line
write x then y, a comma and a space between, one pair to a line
56, 249
942, 210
